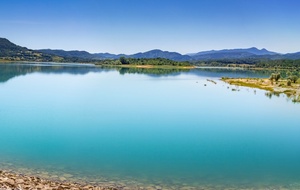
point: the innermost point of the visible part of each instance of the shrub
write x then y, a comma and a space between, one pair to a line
275, 76
293, 78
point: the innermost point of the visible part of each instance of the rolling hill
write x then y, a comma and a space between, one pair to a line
12, 52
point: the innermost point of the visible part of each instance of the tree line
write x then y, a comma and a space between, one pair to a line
252, 62
143, 61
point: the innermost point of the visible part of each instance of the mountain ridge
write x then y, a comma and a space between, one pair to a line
12, 52
9, 50
239, 53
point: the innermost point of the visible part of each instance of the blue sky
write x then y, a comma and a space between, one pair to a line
130, 26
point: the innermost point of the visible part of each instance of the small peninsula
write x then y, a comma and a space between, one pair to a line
286, 86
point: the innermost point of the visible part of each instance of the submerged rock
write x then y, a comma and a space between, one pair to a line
9, 180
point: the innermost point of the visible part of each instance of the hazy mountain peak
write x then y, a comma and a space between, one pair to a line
232, 53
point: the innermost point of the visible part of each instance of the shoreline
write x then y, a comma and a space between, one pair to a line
113, 66
148, 66
11, 180
275, 87
157, 66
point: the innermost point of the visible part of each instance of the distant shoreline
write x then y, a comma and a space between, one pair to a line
108, 65
148, 66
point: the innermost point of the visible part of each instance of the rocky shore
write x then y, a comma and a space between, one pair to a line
15, 181
9, 180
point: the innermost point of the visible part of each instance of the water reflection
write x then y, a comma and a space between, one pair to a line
230, 72
8, 71
289, 97
157, 130
11, 70
271, 94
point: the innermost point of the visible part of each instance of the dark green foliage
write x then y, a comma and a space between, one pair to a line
289, 82
123, 60
226, 62
281, 64
143, 61
255, 62
152, 71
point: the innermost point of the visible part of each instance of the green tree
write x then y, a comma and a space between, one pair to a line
123, 60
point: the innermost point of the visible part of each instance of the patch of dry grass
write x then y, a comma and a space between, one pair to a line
279, 86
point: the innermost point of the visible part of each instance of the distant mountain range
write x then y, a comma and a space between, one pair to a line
149, 54
204, 55
233, 54
15, 52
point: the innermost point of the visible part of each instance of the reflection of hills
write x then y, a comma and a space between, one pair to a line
8, 71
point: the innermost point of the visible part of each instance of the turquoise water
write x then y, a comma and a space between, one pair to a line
150, 126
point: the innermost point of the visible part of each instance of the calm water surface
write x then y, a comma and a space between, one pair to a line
149, 126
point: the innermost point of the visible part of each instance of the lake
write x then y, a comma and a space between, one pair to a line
168, 129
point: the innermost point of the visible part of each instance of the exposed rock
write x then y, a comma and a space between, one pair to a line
10, 182
19, 181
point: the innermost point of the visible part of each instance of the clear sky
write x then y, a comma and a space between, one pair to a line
130, 26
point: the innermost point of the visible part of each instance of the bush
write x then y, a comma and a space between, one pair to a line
293, 78
123, 60
275, 76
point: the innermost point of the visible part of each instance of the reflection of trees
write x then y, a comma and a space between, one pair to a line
152, 71
294, 98
271, 94
231, 72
